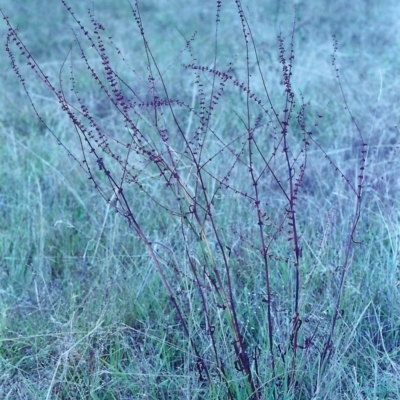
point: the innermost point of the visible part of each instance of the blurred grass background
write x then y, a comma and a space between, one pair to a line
80, 303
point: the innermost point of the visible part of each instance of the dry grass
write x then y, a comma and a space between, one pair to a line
85, 307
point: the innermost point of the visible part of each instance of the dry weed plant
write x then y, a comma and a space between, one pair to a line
229, 183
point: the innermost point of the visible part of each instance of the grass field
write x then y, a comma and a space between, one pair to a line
238, 236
